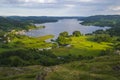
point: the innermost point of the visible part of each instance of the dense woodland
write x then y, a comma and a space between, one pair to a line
105, 20
102, 20
7, 24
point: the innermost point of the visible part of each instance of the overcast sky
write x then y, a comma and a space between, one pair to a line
59, 7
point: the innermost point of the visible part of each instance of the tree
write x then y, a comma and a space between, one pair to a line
63, 40
76, 33
64, 34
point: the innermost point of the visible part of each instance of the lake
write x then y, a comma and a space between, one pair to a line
69, 25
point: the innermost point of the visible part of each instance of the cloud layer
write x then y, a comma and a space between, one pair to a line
59, 7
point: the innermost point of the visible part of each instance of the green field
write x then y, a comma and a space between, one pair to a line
31, 42
83, 45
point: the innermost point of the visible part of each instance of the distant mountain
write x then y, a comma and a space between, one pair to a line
34, 19
40, 19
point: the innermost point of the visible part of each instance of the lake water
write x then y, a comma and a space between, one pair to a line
68, 25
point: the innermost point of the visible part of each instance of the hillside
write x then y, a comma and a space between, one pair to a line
105, 20
83, 45
7, 24
75, 56
102, 20
40, 19
100, 68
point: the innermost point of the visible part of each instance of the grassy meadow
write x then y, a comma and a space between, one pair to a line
83, 45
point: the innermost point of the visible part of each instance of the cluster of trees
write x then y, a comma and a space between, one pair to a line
102, 38
114, 31
64, 38
25, 57
100, 32
76, 33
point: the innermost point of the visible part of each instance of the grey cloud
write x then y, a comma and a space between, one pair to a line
72, 7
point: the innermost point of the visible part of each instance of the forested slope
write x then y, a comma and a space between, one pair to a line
105, 20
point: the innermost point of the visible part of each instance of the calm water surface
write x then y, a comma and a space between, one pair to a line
68, 25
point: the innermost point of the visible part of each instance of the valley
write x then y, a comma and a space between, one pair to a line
73, 51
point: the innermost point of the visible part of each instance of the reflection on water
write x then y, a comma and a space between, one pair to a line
68, 25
